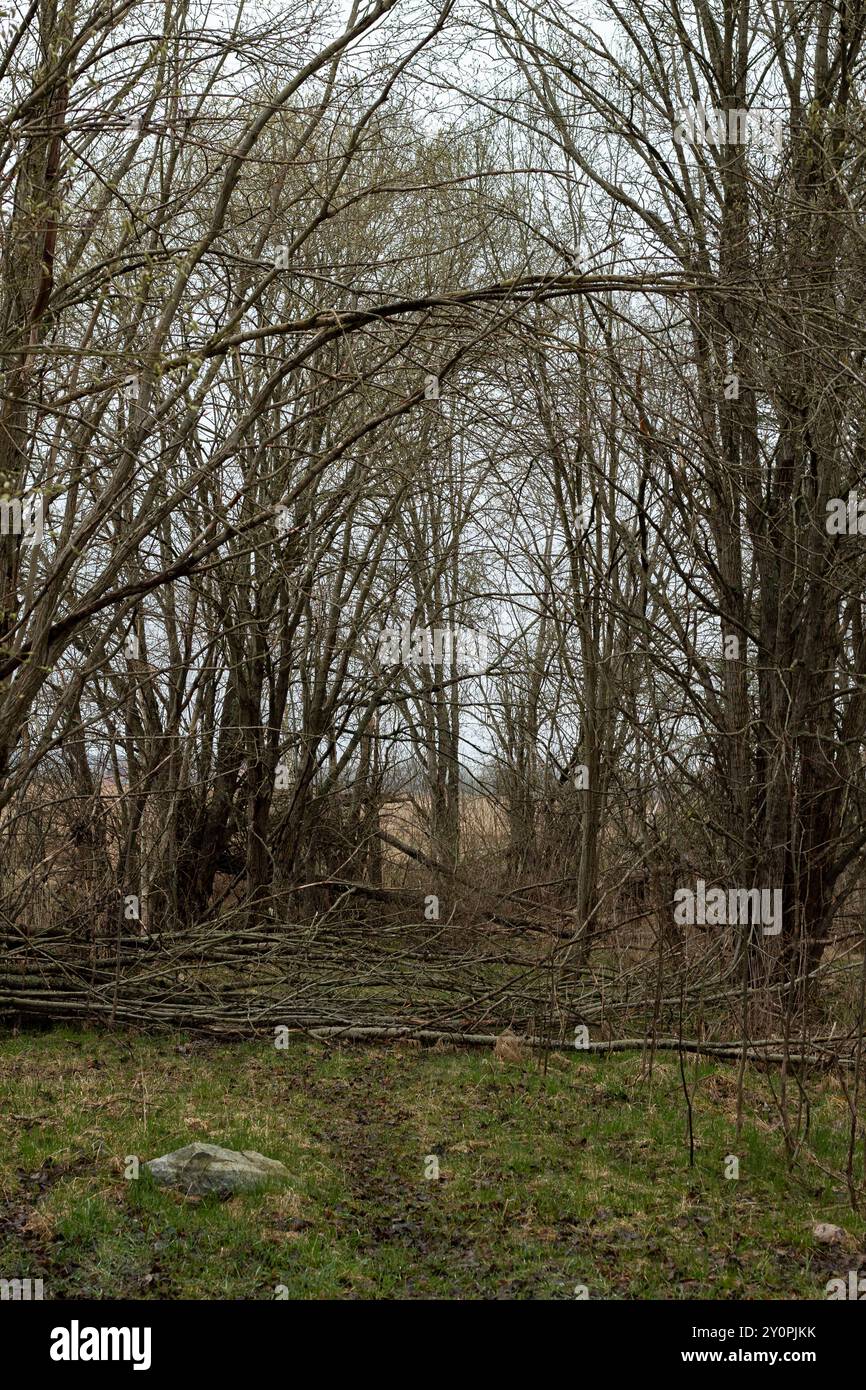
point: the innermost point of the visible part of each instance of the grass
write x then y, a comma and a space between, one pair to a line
547, 1183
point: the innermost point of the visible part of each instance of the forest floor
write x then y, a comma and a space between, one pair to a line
549, 1185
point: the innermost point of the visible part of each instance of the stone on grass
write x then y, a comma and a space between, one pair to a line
828, 1234
200, 1169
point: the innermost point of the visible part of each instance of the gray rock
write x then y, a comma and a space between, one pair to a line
828, 1234
199, 1169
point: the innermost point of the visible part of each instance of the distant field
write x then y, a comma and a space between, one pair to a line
546, 1183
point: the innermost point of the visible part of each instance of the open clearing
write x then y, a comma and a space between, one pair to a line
579, 1177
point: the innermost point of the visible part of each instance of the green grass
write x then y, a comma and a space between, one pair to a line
579, 1177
